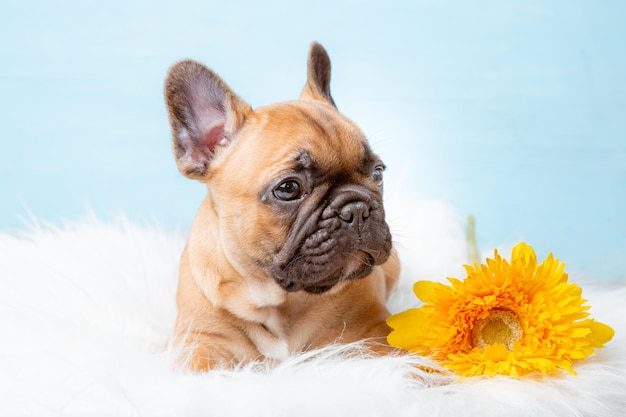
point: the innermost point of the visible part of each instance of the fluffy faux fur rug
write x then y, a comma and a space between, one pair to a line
86, 310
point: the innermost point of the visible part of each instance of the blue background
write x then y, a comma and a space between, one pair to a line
513, 111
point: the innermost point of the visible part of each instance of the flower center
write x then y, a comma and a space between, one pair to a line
499, 326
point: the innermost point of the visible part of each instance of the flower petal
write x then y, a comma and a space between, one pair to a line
426, 290
600, 334
410, 318
523, 252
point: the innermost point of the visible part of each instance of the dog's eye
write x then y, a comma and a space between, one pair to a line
377, 175
288, 191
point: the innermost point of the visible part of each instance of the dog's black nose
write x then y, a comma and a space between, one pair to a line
354, 213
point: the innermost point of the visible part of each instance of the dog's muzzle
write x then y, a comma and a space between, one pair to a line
342, 241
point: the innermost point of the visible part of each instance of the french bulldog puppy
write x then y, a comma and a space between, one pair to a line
289, 250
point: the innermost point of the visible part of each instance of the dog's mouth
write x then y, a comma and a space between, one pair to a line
359, 265
318, 276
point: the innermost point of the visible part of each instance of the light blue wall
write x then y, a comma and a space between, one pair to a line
513, 111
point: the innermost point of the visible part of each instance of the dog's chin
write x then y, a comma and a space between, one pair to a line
300, 276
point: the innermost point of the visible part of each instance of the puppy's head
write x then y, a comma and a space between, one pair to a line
294, 188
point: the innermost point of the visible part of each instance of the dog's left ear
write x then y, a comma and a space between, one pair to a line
317, 85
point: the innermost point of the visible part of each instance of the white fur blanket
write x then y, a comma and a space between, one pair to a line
86, 310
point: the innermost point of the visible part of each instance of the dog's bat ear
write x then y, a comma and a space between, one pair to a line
204, 115
317, 85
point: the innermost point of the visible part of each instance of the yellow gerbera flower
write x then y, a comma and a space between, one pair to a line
504, 318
